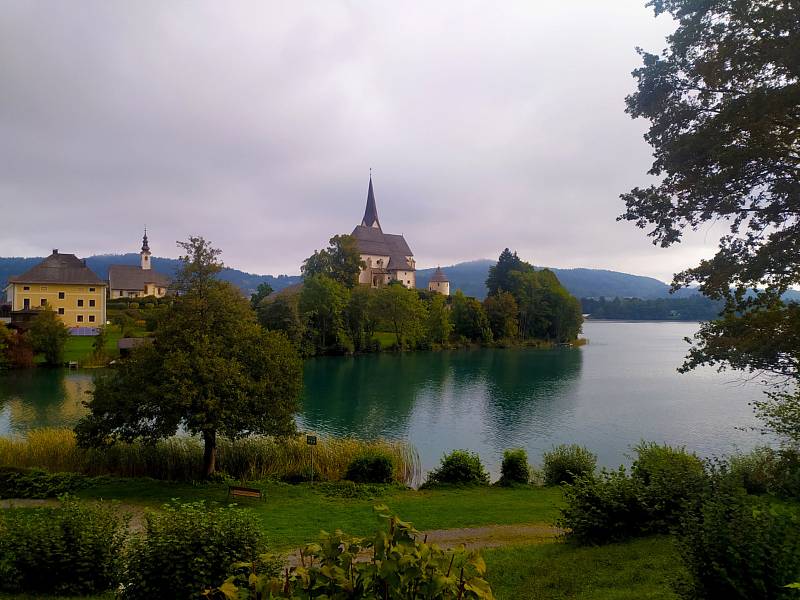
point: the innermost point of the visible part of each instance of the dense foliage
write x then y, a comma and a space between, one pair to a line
738, 546
340, 261
722, 101
696, 308
212, 370
401, 567
16, 351
372, 467
459, 467
186, 548
72, 549
768, 471
48, 336
18, 482
567, 462
515, 468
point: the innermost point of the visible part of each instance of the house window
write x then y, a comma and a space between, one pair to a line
43, 288
26, 303
91, 302
91, 289
80, 318
26, 288
91, 318
60, 295
42, 301
61, 311
80, 302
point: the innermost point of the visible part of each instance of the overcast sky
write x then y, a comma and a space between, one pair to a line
255, 124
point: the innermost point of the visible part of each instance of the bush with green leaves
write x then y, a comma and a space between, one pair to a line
371, 467
72, 549
401, 566
668, 477
738, 546
566, 463
515, 468
460, 467
186, 548
604, 508
16, 482
766, 470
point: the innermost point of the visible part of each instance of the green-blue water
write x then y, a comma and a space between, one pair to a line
607, 395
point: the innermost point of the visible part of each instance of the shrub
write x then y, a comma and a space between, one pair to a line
566, 463
72, 549
186, 548
459, 467
18, 482
373, 467
604, 508
765, 470
515, 467
668, 477
737, 546
401, 566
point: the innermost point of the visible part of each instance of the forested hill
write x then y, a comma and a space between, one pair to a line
470, 277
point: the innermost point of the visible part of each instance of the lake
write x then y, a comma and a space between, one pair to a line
618, 389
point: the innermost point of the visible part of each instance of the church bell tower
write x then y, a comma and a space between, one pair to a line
145, 253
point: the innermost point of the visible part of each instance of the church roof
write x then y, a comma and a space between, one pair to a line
59, 268
439, 276
374, 241
133, 277
371, 211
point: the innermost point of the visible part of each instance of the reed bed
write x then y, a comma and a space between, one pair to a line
180, 458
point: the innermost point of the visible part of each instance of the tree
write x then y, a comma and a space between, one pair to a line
439, 324
322, 301
262, 291
500, 273
469, 319
49, 335
283, 314
6, 341
359, 317
99, 344
502, 311
211, 369
402, 311
341, 261
722, 101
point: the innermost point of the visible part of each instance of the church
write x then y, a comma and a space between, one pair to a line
387, 256
131, 281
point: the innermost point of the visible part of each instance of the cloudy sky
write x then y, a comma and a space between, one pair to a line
255, 125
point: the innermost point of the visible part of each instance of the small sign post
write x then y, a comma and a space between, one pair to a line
311, 440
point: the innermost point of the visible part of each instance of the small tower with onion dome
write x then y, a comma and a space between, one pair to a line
439, 282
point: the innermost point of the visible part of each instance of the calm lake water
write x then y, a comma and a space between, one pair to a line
620, 388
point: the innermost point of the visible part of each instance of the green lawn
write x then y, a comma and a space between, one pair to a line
387, 339
79, 347
635, 570
295, 514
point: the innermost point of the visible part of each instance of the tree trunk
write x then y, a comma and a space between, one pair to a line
209, 453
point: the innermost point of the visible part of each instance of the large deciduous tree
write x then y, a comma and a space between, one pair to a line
49, 335
723, 101
341, 261
211, 370
322, 301
400, 310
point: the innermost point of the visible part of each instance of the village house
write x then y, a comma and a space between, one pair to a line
64, 283
137, 281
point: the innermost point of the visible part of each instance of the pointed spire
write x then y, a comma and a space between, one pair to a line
371, 212
145, 245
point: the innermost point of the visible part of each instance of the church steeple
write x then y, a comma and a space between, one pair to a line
371, 211
145, 253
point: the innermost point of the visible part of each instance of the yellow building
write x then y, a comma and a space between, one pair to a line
64, 283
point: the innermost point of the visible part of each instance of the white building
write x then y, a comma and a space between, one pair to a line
439, 282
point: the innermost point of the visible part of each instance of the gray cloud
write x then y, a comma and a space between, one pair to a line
254, 124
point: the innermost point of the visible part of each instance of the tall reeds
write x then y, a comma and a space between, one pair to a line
180, 458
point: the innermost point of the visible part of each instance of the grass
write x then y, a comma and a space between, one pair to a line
386, 338
635, 570
180, 458
295, 514
79, 347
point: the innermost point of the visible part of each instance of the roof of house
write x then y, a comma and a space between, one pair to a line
59, 268
439, 276
133, 277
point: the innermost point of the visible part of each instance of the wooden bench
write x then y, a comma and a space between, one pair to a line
246, 492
